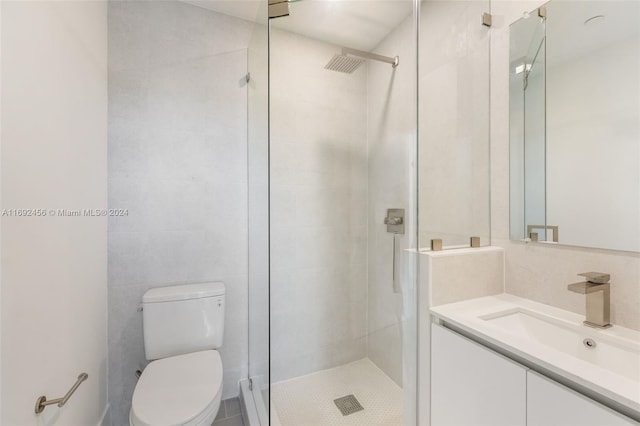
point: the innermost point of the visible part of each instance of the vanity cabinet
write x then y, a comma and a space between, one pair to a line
471, 385
550, 404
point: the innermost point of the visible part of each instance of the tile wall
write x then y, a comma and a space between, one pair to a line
177, 162
391, 109
318, 209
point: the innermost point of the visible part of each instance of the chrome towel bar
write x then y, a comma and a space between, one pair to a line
42, 402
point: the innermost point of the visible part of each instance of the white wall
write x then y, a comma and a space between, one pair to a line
54, 148
178, 162
318, 208
542, 272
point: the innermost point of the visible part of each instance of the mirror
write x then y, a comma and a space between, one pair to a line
575, 125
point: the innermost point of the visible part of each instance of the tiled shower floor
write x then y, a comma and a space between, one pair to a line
308, 400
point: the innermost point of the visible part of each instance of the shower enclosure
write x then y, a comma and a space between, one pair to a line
268, 154
342, 158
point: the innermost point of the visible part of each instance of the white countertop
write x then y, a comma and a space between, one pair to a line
468, 316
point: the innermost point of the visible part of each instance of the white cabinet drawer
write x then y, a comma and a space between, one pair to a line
472, 385
552, 404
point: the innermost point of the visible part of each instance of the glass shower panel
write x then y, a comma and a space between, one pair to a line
258, 212
454, 123
342, 153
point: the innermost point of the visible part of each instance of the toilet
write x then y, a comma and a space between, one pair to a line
182, 385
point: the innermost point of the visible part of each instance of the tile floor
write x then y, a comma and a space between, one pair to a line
308, 400
229, 414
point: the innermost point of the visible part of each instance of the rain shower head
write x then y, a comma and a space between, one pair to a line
344, 63
350, 59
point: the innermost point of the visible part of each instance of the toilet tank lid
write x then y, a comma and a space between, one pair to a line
183, 292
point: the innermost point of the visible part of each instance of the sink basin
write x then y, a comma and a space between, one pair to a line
615, 355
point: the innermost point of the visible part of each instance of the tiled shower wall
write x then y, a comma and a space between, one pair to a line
391, 108
340, 149
177, 162
318, 209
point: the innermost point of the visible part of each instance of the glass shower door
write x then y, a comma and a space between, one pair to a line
343, 114
454, 123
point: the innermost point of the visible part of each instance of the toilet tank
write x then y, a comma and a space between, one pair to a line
183, 319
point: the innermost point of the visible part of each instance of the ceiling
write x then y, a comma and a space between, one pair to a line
359, 24
569, 32
568, 36
243, 9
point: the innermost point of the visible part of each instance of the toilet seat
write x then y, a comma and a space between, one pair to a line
180, 390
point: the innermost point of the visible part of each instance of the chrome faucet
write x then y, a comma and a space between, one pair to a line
598, 291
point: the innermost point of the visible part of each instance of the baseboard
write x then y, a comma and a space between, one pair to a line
105, 419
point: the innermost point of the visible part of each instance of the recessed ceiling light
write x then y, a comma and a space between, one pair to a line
594, 19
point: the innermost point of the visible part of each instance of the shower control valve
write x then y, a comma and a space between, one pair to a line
393, 221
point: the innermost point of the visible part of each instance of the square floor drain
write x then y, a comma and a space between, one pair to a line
348, 405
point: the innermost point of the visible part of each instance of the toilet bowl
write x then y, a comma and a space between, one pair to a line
183, 390
182, 385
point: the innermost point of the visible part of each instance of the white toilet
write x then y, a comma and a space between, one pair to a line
182, 385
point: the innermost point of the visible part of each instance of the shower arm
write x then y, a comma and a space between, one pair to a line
367, 55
